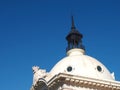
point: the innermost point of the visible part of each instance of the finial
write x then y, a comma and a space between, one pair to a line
73, 25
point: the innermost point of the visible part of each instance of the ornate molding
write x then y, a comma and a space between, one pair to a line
80, 81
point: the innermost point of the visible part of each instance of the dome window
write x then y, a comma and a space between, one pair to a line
99, 68
69, 68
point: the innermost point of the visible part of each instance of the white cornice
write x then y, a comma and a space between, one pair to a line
84, 81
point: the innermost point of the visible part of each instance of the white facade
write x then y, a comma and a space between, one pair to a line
76, 71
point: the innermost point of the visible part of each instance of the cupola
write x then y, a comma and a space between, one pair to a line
74, 38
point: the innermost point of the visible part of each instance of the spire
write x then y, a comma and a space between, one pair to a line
73, 25
74, 38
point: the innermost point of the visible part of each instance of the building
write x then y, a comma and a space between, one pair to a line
76, 71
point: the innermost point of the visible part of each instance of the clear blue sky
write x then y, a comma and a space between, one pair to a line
33, 33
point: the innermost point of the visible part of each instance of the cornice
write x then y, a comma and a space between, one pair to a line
79, 81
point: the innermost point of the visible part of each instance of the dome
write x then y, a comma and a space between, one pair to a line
76, 63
